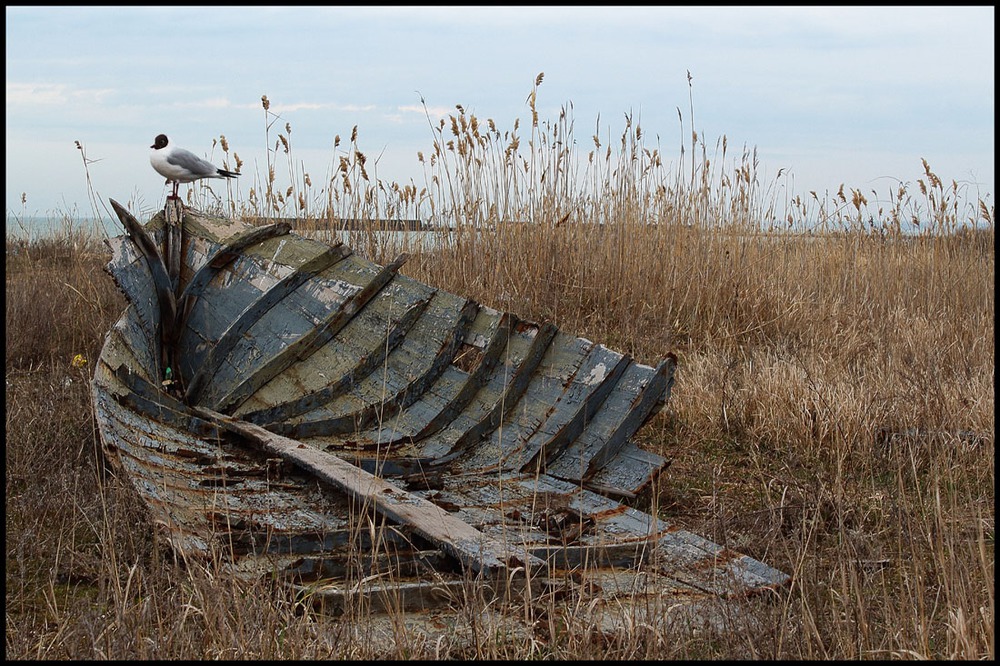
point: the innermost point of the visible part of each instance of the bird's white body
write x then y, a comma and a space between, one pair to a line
178, 165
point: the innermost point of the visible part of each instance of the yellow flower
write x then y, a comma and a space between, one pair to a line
78, 361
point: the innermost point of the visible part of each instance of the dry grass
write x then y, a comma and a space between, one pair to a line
833, 414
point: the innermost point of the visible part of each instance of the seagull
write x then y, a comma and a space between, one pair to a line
182, 166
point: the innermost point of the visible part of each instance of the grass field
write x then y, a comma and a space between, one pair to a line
833, 414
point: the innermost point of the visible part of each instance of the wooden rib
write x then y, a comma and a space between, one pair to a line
254, 312
391, 404
505, 447
546, 450
366, 365
311, 341
401, 431
654, 393
515, 389
221, 258
146, 399
139, 323
475, 381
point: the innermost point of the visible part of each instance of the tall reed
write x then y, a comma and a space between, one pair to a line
833, 414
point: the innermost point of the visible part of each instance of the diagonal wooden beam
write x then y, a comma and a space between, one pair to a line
478, 551
311, 341
254, 312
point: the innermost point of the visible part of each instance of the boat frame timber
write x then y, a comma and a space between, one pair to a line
270, 396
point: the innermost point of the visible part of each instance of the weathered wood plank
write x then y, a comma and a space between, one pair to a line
240, 283
312, 340
348, 356
195, 491
633, 400
631, 470
407, 373
140, 322
470, 382
653, 395
364, 365
221, 257
617, 528
468, 545
449, 393
500, 395
165, 297
298, 314
519, 342
693, 559
274, 297
585, 392
196, 487
524, 414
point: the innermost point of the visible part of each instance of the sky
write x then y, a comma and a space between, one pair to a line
829, 95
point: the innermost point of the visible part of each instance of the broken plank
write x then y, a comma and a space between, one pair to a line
459, 539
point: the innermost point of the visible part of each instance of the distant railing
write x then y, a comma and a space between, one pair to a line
353, 224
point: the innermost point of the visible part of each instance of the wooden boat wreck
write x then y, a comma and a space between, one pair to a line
294, 410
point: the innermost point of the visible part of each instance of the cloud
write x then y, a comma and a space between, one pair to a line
52, 94
277, 108
316, 106
435, 112
213, 103
290, 107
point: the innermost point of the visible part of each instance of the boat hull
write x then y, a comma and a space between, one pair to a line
274, 398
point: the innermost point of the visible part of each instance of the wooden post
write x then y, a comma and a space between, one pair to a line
174, 213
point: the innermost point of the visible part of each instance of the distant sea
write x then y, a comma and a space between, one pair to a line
39, 226
32, 227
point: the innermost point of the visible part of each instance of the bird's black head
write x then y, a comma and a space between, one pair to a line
160, 141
